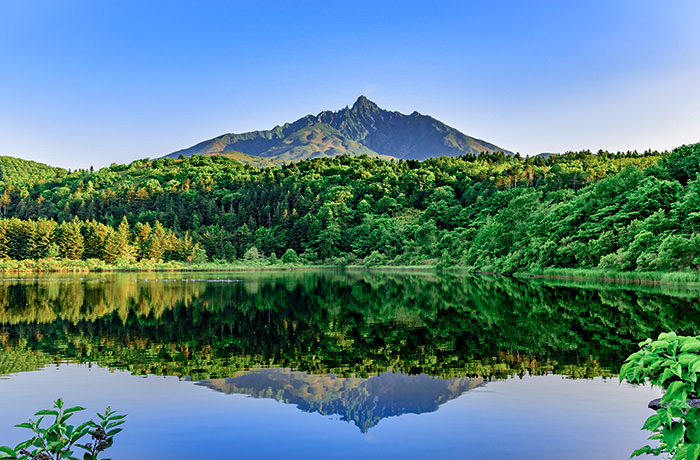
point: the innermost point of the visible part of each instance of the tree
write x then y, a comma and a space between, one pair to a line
117, 244
290, 257
70, 239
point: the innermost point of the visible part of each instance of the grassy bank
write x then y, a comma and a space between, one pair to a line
95, 265
607, 276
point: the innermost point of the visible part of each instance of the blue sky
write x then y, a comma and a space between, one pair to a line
94, 82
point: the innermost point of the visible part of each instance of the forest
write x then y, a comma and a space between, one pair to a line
492, 212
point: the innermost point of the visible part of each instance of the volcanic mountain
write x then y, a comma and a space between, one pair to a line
363, 129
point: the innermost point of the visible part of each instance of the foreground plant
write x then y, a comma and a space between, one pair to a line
673, 363
56, 441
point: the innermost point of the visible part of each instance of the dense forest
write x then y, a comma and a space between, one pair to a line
623, 211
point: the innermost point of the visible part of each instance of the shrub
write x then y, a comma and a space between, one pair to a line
56, 442
673, 363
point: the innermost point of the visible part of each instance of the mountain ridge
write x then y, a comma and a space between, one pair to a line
363, 129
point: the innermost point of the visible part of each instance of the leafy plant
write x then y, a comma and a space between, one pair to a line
673, 363
57, 440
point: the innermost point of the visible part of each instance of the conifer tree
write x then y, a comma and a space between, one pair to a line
70, 240
95, 236
156, 243
118, 246
42, 239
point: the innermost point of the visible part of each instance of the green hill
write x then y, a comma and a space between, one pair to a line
622, 211
18, 171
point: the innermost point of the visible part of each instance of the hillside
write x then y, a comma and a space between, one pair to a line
622, 211
363, 129
19, 171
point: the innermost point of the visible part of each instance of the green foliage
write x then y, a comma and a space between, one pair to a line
56, 441
290, 257
623, 211
18, 171
673, 363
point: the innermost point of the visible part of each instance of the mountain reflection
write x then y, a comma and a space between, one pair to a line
363, 401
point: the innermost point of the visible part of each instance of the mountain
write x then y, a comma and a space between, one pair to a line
363, 129
363, 401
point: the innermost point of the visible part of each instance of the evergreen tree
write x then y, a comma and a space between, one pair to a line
71, 243
117, 244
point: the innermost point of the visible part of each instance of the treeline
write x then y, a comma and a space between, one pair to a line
623, 211
77, 239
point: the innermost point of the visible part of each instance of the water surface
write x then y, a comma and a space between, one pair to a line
336, 365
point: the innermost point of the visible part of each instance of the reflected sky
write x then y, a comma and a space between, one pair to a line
536, 417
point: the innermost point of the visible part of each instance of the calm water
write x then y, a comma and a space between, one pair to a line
334, 365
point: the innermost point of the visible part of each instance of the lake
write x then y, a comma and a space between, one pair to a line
331, 364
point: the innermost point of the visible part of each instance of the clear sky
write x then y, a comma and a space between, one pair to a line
92, 82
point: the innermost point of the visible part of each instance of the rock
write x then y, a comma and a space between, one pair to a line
656, 403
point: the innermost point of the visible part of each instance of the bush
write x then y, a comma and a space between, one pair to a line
56, 441
290, 257
673, 363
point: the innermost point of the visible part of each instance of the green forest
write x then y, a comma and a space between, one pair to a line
492, 212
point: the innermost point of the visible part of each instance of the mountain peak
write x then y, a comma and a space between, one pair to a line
363, 129
363, 103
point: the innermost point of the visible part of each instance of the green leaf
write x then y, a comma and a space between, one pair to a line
114, 431
667, 374
675, 391
8, 451
652, 423
83, 427
623, 370
641, 451
695, 367
47, 412
692, 432
688, 452
677, 370
25, 425
673, 435
113, 424
25, 444
73, 409
691, 345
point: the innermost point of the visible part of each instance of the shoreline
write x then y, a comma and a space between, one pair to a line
557, 274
